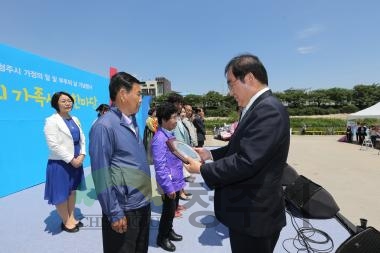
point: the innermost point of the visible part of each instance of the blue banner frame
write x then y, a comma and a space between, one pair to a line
27, 82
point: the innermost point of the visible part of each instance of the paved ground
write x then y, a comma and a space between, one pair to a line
350, 175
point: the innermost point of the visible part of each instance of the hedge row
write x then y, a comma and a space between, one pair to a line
326, 126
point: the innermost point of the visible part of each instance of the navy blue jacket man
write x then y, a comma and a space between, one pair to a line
120, 170
246, 174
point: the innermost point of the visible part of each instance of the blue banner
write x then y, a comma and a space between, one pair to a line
27, 83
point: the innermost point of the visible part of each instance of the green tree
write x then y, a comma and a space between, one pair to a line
318, 97
194, 100
295, 97
340, 96
230, 102
366, 95
159, 100
213, 99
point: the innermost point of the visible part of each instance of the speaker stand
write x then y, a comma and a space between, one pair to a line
351, 228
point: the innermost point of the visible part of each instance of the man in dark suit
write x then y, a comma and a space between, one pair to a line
246, 173
200, 126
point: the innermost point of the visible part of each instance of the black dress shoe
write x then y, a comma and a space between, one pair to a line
173, 236
79, 224
184, 197
69, 230
165, 244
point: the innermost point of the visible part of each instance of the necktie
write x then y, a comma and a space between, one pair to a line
242, 114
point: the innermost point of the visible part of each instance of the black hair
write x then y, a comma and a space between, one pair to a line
55, 98
165, 111
151, 111
243, 64
121, 80
198, 110
102, 108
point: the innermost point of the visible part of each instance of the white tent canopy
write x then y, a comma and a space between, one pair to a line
368, 113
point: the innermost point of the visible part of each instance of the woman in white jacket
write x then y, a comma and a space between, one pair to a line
64, 172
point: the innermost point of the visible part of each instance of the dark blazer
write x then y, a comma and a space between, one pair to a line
246, 174
200, 127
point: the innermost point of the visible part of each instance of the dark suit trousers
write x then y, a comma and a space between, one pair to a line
242, 243
135, 240
167, 215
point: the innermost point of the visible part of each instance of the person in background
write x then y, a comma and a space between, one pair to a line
357, 131
150, 129
102, 109
303, 129
246, 174
120, 170
185, 134
181, 134
64, 172
373, 135
199, 124
188, 122
361, 133
349, 134
169, 175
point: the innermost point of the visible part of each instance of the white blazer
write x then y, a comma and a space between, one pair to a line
59, 139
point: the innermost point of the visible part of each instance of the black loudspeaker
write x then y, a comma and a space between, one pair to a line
366, 241
289, 175
311, 199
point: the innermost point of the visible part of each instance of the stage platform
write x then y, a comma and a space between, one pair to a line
29, 224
